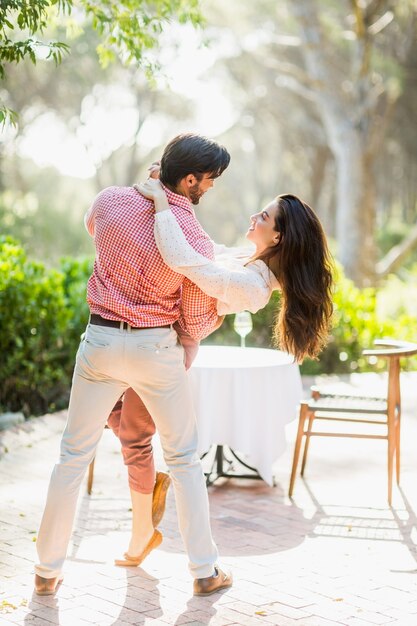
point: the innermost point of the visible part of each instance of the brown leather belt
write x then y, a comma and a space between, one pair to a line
97, 320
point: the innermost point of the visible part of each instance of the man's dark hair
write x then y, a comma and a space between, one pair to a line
192, 154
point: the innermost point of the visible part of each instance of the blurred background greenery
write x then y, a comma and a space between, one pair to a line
313, 97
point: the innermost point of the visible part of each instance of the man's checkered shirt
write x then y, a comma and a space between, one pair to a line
130, 281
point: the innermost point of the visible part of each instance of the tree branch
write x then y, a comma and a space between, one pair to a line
359, 18
397, 254
381, 23
375, 7
295, 72
291, 83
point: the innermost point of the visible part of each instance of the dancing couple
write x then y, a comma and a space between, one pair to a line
156, 290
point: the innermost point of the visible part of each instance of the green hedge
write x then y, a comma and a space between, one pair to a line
43, 313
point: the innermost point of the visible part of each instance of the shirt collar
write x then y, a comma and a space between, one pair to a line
178, 200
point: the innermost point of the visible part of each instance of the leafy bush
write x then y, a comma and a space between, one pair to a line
76, 273
44, 311
34, 318
41, 314
360, 318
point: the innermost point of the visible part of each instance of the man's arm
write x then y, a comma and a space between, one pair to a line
90, 219
90, 216
199, 315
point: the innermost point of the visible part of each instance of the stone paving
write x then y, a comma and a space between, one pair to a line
336, 554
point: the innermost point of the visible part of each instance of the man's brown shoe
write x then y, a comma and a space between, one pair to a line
206, 586
159, 497
47, 586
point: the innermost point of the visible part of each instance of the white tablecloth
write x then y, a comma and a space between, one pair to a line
243, 398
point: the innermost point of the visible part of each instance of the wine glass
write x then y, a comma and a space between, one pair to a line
243, 325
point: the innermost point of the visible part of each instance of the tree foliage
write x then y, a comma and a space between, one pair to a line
128, 29
31, 16
276, 132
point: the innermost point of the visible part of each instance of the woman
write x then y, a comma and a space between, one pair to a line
291, 255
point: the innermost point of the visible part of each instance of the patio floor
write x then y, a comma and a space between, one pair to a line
335, 554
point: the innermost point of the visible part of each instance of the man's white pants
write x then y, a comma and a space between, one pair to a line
151, 361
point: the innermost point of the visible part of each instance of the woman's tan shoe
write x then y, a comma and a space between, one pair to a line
159, 497
47, 586
134, 561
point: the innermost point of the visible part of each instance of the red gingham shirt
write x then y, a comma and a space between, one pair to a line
130, 281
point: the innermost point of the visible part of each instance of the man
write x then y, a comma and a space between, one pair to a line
134, 300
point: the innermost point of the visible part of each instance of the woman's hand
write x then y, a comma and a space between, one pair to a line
153, 190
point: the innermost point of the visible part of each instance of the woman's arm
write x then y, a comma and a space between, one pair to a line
182, 258
236, 252
236, 289
153, 190
243, 288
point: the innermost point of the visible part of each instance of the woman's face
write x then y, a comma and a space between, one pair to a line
262, 229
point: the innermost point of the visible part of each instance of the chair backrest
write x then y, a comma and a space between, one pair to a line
393, 350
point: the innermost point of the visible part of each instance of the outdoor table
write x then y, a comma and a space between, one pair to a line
243, 398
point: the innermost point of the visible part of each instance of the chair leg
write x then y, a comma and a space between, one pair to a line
300, 432
307, 442
90, 477
391, 452
398, 448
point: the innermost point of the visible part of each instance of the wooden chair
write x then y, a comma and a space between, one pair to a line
364, 410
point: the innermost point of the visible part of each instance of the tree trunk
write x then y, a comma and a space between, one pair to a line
355, 220
347, 123
321, 165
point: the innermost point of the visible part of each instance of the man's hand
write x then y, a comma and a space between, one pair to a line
189, 344
220, 321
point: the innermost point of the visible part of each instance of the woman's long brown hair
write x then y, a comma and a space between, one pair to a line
302, 265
